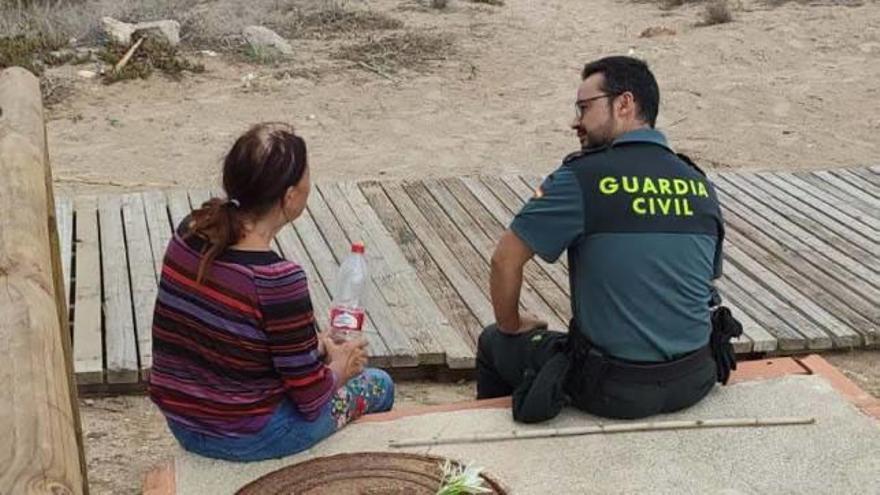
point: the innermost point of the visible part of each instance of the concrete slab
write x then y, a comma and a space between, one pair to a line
839, 454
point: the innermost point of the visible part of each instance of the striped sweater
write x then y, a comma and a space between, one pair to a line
227, 351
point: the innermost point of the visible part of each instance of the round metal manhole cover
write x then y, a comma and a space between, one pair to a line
363, 473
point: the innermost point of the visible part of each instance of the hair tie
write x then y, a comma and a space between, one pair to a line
234, 202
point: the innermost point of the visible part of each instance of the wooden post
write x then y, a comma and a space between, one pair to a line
41, 449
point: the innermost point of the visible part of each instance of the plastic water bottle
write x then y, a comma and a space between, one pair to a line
346, 311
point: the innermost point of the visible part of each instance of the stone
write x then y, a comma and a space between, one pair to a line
261, 38
118, 31
121, 32
169, 29
87, 74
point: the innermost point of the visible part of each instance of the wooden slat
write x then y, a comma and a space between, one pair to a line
291, 247
178, 206
801, 274
787, 338
843, 190
826, 324
119, 332
757, 339
474, 266
858, 182
866, 175
804, 214
433, 277
796, 260
433, 240
504, 204
142, 274
484, 245
159, 226
326, 242
795, 321
858, 220
398, 280
64, 217
88, 349
782, 224
533, 275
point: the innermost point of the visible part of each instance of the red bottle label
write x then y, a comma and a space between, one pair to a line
347, 319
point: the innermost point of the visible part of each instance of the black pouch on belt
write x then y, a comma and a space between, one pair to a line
724, 329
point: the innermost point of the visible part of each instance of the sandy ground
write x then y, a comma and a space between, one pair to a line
786, 86
781, 87
126, 436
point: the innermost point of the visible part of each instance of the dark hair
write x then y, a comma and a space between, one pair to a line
262, 164
624, 74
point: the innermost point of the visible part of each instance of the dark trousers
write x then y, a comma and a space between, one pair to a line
502, 360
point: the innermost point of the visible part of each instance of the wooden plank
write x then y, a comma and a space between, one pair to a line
803, 213
866, 175
758, 339
119, 331
821, 274
484, 246
826, 324
142, 275
178, 206
326, 243
843, 190
787, 339
858, 182
398, 280
542, 284
158, 225
795, 321
290, 245
474, 266
418, 255
816, 289
88, 349
860, 221
432, 238
780, 223
504, 205
64, 217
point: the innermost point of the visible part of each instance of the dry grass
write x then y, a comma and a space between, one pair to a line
331, 22
391, 53
153, 55
716, 12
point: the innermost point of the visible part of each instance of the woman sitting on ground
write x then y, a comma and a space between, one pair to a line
239, 369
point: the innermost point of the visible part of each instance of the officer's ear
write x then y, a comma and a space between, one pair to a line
625, 106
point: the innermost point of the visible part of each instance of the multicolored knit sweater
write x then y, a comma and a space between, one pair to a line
228, 350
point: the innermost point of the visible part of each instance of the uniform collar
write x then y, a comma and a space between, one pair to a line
644, 135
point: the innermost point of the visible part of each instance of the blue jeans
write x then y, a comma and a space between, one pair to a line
288, 432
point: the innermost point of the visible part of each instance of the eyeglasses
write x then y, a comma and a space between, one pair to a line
580, 106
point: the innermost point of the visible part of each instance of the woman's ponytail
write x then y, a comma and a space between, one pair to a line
219, 222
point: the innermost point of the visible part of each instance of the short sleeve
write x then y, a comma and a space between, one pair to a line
554, 218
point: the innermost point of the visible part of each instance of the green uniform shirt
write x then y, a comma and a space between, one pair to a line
643, 230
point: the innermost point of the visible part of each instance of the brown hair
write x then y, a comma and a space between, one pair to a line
262, 164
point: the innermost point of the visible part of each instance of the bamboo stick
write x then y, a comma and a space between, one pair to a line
603, 429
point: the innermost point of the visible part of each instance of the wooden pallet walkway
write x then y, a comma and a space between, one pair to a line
802, 264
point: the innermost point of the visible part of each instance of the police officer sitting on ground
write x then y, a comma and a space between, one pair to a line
643, 230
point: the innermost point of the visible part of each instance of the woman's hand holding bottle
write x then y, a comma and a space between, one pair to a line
346, 359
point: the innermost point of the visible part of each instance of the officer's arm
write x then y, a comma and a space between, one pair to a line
505, 280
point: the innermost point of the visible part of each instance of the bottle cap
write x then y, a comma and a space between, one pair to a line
357, 247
